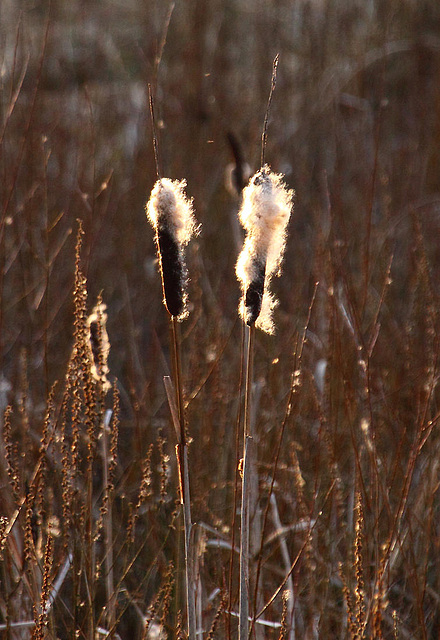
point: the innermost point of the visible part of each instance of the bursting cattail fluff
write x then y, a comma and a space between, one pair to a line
264, 214
171, 214
98, 344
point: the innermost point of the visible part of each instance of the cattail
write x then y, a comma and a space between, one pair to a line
171, 214
264, 214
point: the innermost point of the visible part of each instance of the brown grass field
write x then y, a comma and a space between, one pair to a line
345, 502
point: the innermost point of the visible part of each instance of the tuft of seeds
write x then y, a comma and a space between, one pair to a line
264, 214
171, 215
99, 345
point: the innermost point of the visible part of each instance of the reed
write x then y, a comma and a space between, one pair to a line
171, 215
264, 214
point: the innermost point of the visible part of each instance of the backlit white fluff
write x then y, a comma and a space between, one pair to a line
99, 344
169, 206
264, 214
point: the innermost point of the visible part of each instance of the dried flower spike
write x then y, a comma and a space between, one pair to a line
171, 214
99, 344
264, 214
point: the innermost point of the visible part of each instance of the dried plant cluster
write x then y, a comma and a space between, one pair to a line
342, 410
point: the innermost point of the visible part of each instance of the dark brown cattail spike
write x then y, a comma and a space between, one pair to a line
254, 294
173, 271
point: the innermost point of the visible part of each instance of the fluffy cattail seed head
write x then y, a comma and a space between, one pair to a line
264, 214
171, 214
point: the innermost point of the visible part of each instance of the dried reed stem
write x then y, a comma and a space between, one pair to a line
108, 526
269, 103
243, 625
182, 459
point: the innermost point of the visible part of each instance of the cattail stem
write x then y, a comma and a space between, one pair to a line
177, 364
182, 461
249, 354
243, 629
189, 554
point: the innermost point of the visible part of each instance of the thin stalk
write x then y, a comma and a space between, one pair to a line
243, 625
234, 510
177, 364
108, 528
189, 555
249, 350
269, 103
182, 455
90, 560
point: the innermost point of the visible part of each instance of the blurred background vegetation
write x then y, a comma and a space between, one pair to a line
355, 129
